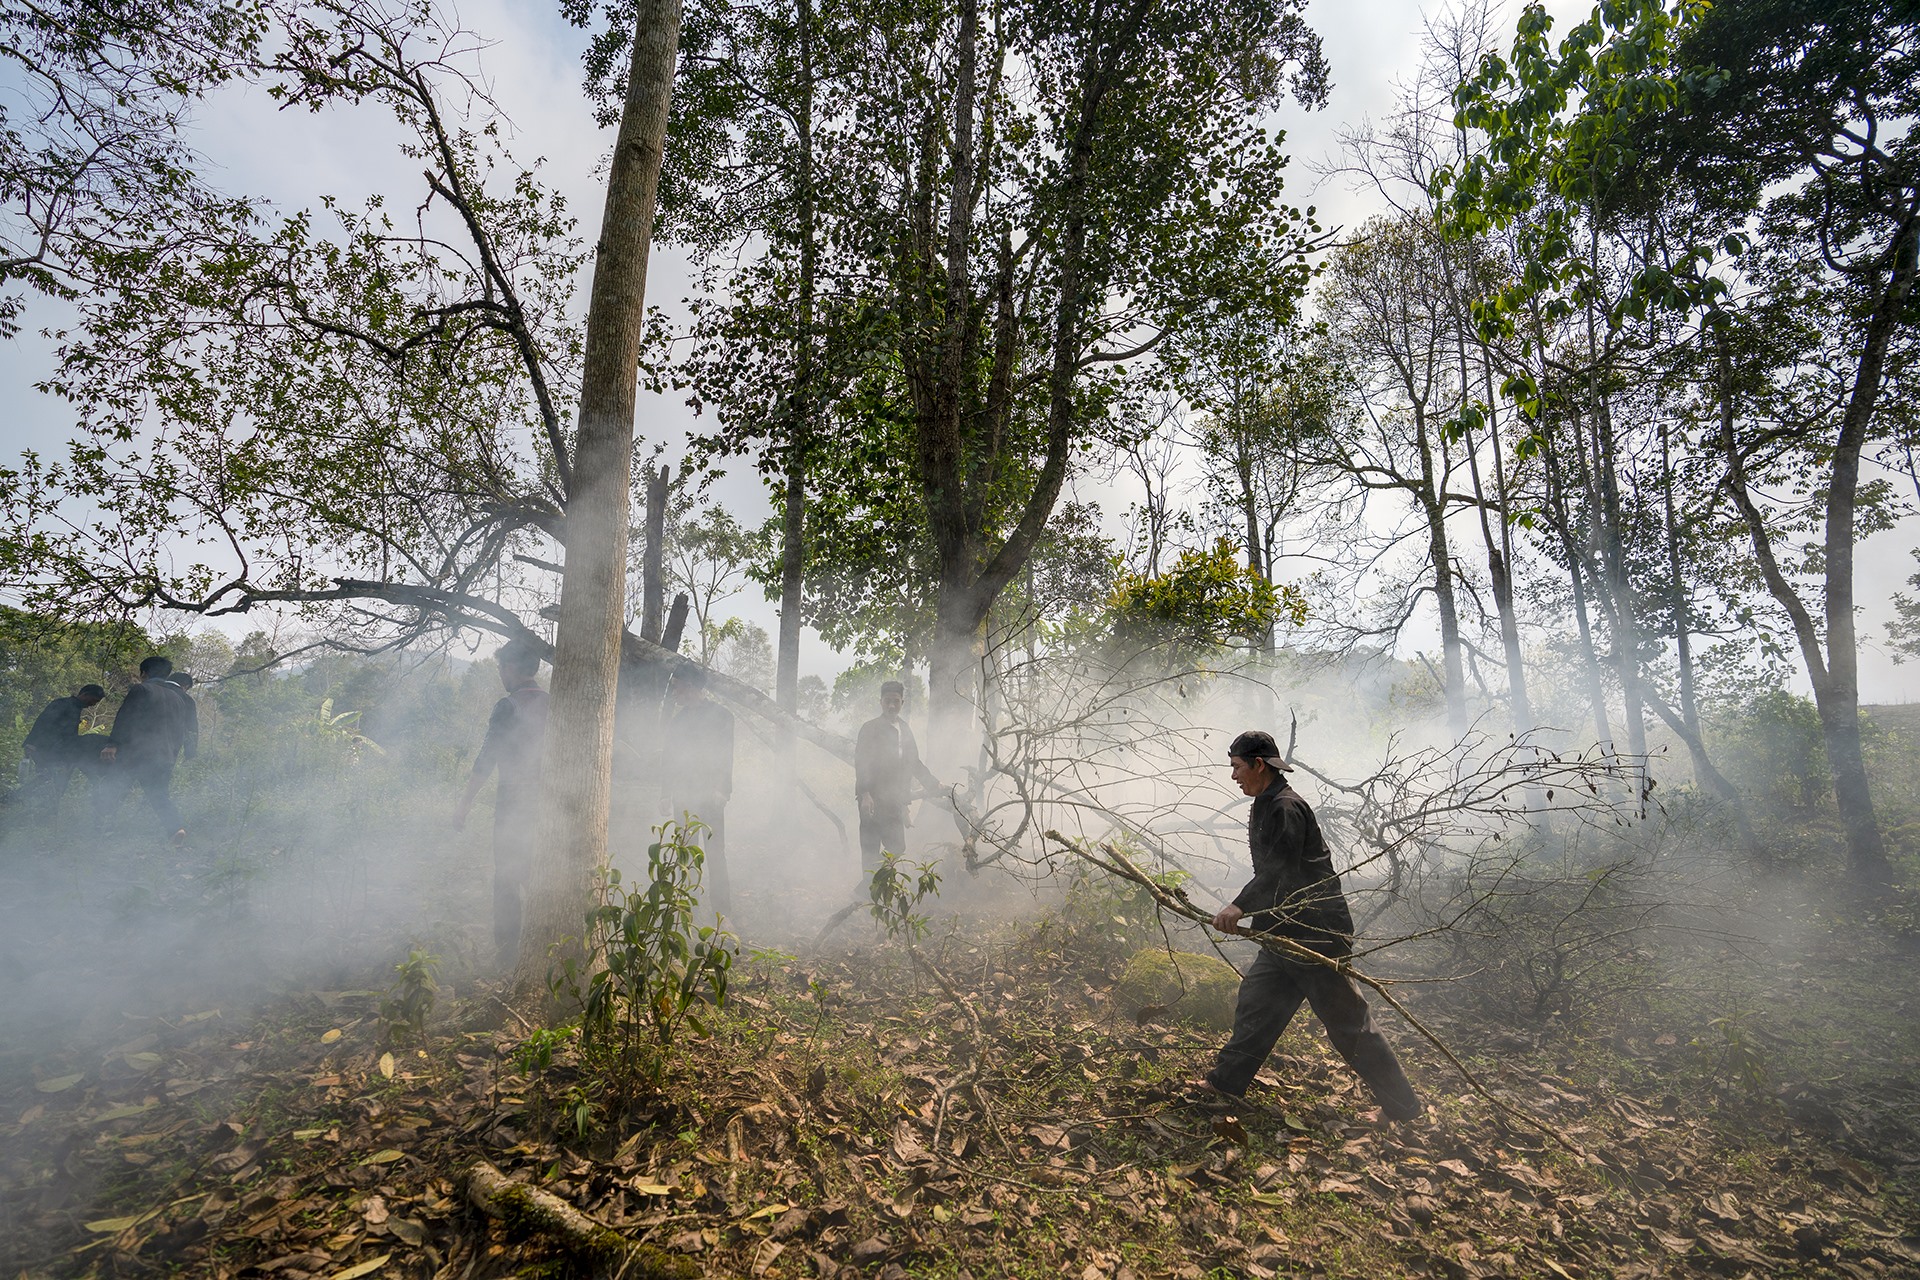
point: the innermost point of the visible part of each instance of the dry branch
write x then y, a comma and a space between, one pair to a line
530, 1211
1176, 901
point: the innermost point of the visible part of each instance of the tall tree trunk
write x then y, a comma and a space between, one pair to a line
1682, 609
1623, 620
1503, 578
586, 658
1686, 721
1839, 700
1834, 678
1562, 516
1433, 501
1499, 549
943, 456
793, 504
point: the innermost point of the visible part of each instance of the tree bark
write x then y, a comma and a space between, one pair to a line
531, 1211
1562, 520
1433, 502
586, 658
653, 577
793, 503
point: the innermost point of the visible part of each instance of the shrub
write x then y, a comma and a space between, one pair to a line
654, 972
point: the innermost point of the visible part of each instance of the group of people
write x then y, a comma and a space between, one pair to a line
156, 725
1295, 892
697, 778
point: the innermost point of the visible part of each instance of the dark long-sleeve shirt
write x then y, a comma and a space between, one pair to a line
699, 762
56, 730
885, 761
149, 723
1295, 891
515, 745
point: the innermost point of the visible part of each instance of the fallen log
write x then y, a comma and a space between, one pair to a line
528, 1210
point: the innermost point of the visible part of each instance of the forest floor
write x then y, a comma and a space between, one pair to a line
848, 1116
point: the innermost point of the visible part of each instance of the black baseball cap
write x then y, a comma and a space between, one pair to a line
1258, 744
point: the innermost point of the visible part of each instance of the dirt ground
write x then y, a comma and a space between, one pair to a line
852, 1114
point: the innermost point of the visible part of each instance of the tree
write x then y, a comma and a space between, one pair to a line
1204, 603
326, 407
711, 556
93, 158
345, 414
1803, 126
1150, 186
1389, 321
1270, 404
1397, 161
587, 639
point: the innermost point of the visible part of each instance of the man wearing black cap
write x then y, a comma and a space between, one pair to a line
699, 769
57, 747
885, 761
1295, 893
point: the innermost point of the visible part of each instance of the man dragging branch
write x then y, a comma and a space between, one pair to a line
1295, 893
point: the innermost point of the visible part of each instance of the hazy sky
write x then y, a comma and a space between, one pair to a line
533, 68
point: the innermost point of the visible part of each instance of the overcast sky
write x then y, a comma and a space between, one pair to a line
533, 67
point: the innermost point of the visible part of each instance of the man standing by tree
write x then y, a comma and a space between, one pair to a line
57, 747
885, 761
148, 732
516, 739
1295, 893
699, 773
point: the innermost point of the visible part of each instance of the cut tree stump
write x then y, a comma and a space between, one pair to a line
530, 1211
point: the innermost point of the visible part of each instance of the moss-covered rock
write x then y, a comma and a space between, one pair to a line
1190, 987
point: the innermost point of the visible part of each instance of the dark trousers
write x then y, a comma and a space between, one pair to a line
515, 824
53, 772
154, 776
509, 894
714, 880
885, 829
1271, 994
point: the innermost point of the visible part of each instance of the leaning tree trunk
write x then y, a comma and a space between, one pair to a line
1838, 694
586, 659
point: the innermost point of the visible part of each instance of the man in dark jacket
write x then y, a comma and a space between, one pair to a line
57, 747
1295, 893
148, 731
515, 745
885, 762
699, 774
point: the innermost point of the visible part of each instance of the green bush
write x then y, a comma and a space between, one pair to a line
653, 971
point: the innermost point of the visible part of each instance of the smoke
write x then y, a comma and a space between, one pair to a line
318, 852
321, 848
